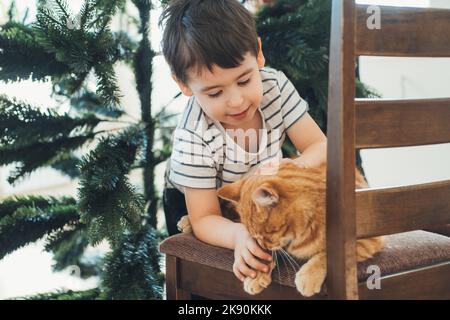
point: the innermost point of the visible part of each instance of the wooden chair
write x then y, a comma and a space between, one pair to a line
362, 123
414, 264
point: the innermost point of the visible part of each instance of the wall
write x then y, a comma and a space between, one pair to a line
408, 78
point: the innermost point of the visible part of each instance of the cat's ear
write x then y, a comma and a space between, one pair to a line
265, 195
231, 192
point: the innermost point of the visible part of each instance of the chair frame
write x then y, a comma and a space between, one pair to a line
361, 123
354, 124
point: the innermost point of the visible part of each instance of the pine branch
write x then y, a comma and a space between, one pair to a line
22, 56
68, 246
90, 102
68, 85
107, 88
125, 47
43, 153
62, 5
164, 152
300, 29
91, 294
86, 12
68, 164
9, 205
28, 224
108, 9
44, 134
83, 49
21, 124
365, 91
108, 203
60, 238
129, 268
12, 11
47, 15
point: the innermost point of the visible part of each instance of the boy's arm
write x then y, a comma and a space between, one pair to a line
207, 221
209, 226
307, 138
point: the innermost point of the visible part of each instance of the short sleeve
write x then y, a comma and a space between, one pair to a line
191, 163
293, 107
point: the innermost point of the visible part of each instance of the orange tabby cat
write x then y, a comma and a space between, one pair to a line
287, 210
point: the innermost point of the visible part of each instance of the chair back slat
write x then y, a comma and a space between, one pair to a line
399, 123
393, 210
407, 32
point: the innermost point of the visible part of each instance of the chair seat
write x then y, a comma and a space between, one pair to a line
403, 252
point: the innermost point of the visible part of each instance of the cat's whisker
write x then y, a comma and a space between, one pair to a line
284, 261
283, 253
278, 268
277, 265
291, 258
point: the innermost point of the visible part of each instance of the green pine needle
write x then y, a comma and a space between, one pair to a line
108, 202
129, 270
30, 223
22, 55
91, 294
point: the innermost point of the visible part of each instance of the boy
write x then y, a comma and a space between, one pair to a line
216, 59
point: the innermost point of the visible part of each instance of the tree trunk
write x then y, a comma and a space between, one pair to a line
143, 73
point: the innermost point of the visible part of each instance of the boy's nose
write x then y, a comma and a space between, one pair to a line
236, 102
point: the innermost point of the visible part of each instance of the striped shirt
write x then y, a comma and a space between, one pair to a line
204, 155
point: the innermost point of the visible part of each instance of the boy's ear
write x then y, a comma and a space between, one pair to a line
260, 58
183, 87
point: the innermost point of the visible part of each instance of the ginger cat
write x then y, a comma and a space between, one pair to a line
286, 211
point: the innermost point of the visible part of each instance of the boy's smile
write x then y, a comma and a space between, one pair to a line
240, 115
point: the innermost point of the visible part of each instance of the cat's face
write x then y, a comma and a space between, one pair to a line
273, 208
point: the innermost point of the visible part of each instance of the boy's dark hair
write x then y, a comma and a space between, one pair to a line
202, 33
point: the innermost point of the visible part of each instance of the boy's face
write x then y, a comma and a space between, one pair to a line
230, 96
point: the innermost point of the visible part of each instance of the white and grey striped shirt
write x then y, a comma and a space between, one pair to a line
205, 156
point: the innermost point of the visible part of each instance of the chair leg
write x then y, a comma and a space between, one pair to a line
172, 278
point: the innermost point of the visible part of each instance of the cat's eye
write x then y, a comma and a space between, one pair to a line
281, 229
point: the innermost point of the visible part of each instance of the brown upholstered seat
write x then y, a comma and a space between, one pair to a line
403, 252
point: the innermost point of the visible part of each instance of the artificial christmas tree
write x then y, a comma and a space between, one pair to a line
68, 50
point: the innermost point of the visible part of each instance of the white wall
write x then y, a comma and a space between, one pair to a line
407, 78
440, 4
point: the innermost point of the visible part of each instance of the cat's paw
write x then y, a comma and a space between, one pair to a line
259, 283
309, 281
184, 225
367, 248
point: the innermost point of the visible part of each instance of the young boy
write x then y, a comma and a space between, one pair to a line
216, 59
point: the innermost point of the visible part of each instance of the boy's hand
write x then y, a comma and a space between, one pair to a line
246, 252
271, 168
